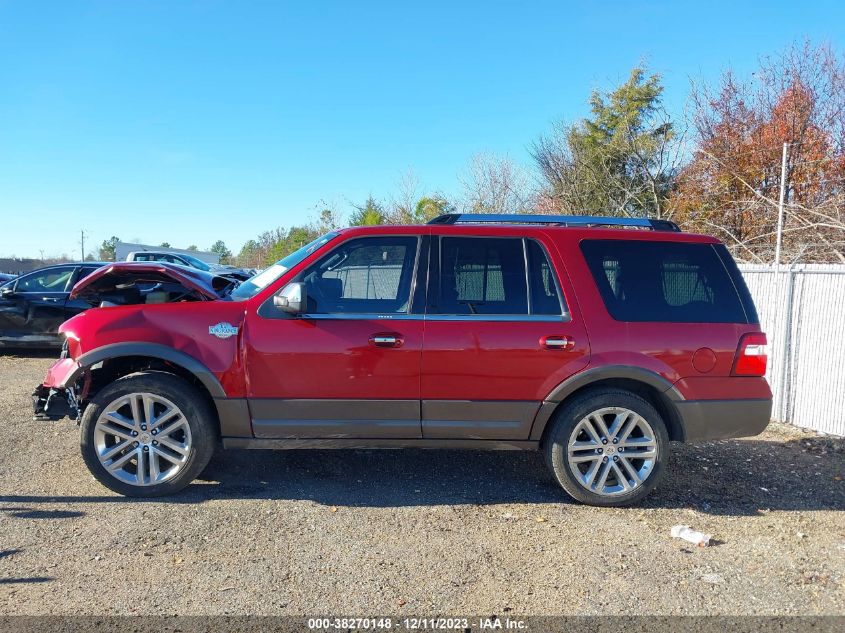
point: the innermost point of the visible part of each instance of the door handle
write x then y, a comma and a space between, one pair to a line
557, 341
386, 339
50, 299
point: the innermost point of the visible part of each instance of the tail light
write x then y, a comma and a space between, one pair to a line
751, 355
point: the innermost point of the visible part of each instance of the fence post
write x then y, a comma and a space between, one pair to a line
786, 346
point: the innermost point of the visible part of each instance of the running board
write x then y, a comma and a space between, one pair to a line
346, 443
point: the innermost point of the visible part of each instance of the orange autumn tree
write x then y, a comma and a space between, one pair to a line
730, 187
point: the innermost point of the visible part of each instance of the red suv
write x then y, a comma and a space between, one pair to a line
595, 340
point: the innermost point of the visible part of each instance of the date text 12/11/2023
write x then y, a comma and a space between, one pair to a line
491, 623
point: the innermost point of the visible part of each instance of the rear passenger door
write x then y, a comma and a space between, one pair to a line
499, 337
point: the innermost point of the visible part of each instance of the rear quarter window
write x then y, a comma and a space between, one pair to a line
663, 281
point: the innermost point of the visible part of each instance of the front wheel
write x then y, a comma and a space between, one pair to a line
607, 448
147, 434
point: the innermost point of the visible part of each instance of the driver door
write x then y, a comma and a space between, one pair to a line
349, 367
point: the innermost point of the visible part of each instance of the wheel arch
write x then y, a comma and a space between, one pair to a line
650, 386
122, 358
232, 413
189, 366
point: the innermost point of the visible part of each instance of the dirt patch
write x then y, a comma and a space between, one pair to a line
409, 532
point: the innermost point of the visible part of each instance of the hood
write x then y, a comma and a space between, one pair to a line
232, 272
149, 282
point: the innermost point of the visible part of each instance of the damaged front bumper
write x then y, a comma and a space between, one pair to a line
56, 397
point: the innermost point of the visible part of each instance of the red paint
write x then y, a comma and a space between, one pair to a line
704, 360
497, 360
436, 359
59, 371
327, 358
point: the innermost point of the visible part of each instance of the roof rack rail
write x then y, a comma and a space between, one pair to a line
558, 220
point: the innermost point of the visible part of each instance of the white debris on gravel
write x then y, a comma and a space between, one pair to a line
686, 533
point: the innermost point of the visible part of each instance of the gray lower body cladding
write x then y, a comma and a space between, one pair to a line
338, 419
368, 443
705, 420
474, 424
446, 420
397, 424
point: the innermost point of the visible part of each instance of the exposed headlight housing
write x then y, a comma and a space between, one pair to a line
70, 347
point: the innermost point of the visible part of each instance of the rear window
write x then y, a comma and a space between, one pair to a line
663, 281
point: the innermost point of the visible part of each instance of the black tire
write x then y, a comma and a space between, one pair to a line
195, 408
215, 465
569, 416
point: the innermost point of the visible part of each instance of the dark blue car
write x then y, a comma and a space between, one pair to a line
33, 305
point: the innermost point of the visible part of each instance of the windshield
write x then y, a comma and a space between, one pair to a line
196, 263
255, 284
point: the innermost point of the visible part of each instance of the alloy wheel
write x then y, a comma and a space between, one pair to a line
612, 451
142, 439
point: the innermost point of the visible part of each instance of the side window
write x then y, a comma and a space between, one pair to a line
369, 275
141, 257
53, 280
545, 293
663, 281
482, 276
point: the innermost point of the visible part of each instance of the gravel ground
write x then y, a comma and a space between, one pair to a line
415, 532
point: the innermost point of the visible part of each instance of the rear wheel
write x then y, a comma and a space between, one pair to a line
147, 434
607, 448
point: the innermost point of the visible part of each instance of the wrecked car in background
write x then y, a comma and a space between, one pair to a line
33, 305
183, 259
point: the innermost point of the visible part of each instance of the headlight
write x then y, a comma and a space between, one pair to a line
70, 347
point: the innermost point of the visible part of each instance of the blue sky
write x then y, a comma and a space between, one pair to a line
203, 120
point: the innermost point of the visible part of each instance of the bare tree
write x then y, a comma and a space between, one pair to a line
328, 217
403, 204
495, 184
731, 186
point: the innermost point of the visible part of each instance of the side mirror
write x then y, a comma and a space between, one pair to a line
7, 291
292, 299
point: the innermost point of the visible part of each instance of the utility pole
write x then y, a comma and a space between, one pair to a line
82, 243
785, 334
780, 413
780, 206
